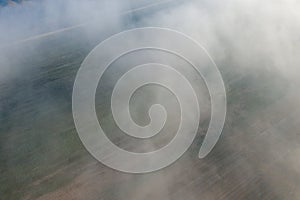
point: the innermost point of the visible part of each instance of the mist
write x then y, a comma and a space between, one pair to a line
256, 46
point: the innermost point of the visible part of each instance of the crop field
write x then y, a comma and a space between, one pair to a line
42, 157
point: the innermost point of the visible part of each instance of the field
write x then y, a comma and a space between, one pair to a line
42, 157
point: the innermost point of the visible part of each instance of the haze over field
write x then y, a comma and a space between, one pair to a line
265, 31
255, 44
